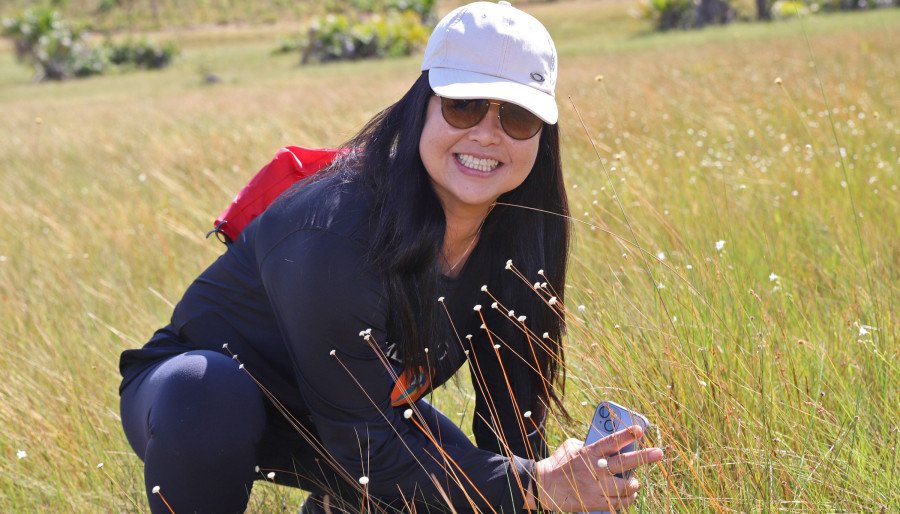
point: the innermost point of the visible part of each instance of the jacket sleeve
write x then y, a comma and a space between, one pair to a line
324, 295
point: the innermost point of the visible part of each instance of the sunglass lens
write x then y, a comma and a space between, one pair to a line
463, 114
519, 122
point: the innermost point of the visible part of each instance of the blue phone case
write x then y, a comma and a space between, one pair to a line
611, 417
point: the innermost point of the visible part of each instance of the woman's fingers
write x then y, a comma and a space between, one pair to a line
628, 461
614, 442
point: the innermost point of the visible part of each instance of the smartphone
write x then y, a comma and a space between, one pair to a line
610, 417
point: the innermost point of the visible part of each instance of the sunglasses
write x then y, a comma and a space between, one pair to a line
518, 122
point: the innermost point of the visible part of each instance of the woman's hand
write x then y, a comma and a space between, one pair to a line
570, 479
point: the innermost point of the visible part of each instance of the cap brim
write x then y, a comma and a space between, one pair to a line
461, 84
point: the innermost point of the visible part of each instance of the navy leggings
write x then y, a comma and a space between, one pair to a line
202, 426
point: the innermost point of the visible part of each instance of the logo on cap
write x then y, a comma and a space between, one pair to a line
537, 77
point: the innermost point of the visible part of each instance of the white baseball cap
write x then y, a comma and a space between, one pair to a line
493, 50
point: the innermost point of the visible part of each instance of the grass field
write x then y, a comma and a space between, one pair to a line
737, 261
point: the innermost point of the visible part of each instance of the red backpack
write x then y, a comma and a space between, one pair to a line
291, 163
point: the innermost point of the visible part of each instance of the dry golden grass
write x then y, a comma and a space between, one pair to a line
769, 394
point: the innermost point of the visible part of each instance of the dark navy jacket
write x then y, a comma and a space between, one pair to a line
291, 295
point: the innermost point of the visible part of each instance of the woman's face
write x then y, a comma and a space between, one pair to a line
470, 168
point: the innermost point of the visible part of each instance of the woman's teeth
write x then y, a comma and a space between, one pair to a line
477, 164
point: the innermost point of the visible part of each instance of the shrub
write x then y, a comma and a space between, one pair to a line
56, 50
343, 37
141, 54
671, 14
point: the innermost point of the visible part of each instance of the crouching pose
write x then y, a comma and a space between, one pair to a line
303, 354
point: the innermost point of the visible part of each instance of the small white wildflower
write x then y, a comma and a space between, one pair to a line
674, 318
271, 475
332, 353
426, 349
225, 346
367, 337
583, 404
541, 272
483, 327
509, 264
661, 256
511, 313
407, 414
703, 383
363, 480
466, 352
496, 346
689, 267
543, 285
155, 489
581, 308
469, 337
441, 299
21, 454
537, 285
234, 357
660, 286
552, 300
477, 308
521, 319
865, 329
256, 469
526, 414
241, 366
368, 331
720, 244
484, 288
494, 305
99, 465
362, 333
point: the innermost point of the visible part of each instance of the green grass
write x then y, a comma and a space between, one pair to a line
766, 394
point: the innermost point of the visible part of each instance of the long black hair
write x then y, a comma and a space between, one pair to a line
408, 226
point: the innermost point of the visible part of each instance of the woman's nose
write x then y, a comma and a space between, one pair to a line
488, 130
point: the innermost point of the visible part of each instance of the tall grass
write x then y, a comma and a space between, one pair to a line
737, 264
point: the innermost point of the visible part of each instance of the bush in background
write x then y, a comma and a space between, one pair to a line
56, 49
141, 54
367, 29
59, 51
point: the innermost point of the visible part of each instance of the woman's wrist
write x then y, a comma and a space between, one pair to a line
532, 495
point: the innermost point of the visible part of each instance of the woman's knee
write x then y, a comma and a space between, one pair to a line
203, 397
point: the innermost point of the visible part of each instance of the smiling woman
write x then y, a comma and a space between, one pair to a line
332, 314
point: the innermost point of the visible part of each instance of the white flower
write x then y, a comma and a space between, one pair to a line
99, 465
271, 475
660, 286
241, 366
155, 489
511, 313
773, 277
496, 346
546, 335
702, 383
332, 353
477, 308
441, 299
21, 454
537, 285
494, 305
526, 414
509, 264
720, 244
541, 272
484, 288
407, 414
521, 319
661, 256
688, 267
257, 469
363, 480
469, 337
864, 329
581, 308
552, 300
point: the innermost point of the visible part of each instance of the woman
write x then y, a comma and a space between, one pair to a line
306, 348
